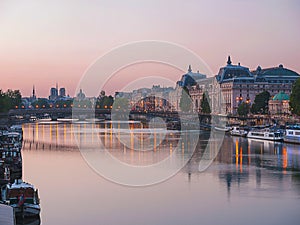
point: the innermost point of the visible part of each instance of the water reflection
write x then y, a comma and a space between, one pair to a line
240, 154
244, 169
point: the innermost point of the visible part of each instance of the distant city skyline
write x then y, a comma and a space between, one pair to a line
51, 41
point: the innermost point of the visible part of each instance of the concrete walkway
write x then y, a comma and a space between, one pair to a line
6, 215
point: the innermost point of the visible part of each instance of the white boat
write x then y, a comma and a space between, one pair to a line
265, 134
222, 129
22, 197
238, 131
292, 134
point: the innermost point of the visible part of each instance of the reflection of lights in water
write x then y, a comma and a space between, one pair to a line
241, 159
78, 134
284, 159
65, 133
43, 132
93, 127
56, 132
72, 133
36, 131
131, 140
236, 153
50, 128
249, 158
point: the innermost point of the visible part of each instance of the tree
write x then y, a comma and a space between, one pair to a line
205, 107
104, 102
185, 103
260, 105
121, 104
63, 103
40, 103
295, 98
9, 100
243, 109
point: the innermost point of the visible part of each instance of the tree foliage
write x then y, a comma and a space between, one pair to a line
121, 104
243, 109
63, 103
9, 100
104, 102
185, 103
260, 105
85, 103
40, 103
295, 98
205, 107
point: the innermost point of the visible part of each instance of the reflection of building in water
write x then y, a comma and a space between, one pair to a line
137, 146
241, 160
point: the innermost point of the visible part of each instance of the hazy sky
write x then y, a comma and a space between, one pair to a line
44, 42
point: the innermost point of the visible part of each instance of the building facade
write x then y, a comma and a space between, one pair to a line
238, 84
233, 85
280, 104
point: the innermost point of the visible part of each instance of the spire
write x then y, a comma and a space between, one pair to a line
229, 60
190, 69
33, 92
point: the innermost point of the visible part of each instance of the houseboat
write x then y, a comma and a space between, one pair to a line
238, 131
292, 134
23, 197
266, 134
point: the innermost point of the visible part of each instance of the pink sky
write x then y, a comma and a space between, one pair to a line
44, 42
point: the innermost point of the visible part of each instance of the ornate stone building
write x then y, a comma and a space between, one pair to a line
279, 104
233, 85
238, 84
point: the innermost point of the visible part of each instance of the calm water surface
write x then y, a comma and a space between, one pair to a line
249, 182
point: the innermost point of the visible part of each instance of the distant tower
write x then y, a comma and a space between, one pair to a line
62, 92
229, 60
33, 93
190, 69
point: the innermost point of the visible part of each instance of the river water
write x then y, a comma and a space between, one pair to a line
248, 182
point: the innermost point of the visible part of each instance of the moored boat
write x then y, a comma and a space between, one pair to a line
292, 134
266, 134
238, 131
23, 197
222, 129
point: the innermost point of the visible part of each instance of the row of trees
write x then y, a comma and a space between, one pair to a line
102, 102
259, 106
9, 99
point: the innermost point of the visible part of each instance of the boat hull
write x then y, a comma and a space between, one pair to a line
293, 140
265, 138
28, 210
238, 134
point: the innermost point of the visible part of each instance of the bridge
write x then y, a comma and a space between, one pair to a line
55, 113
85, 113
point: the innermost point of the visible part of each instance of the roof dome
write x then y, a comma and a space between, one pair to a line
281, 96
